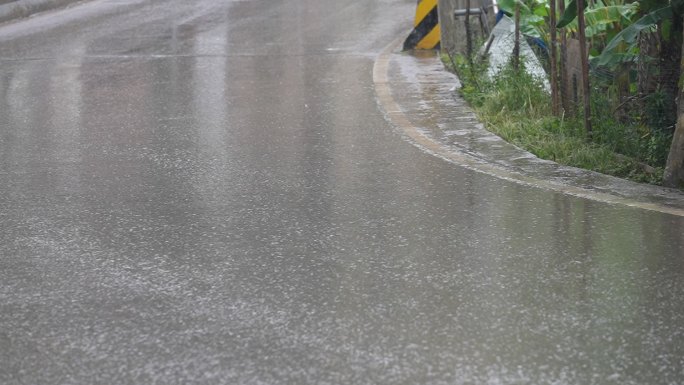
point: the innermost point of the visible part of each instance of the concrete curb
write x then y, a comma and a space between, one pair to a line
16, 9
417, 97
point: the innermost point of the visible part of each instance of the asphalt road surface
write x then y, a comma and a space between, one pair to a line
206, 192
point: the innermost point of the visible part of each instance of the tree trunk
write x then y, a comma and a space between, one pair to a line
623, 91
674, 170
553, 73
585, 67
670, 56
469, 36
516, 41
564, 82
648, 51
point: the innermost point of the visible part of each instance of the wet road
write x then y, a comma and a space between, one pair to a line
207, 192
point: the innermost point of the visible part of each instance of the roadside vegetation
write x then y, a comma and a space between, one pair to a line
624, 122
516, 107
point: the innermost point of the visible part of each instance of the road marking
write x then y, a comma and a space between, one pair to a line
395, 115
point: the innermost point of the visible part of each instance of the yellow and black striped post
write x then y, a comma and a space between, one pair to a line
425, 34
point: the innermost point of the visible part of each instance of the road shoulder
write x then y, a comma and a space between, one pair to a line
419, 98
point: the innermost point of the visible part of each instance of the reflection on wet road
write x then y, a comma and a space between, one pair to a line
208, 193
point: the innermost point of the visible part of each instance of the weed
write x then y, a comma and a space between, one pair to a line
516, 107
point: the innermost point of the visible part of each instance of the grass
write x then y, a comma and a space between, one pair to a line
516, 107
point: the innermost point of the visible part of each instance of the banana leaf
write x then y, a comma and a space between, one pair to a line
570, 14
601, 19
629, 35
614, 59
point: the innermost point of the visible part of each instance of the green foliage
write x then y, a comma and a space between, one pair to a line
570, 14
657, 113
516, 107
508, 6
519, 93
604, 19
631, 133
533, 14
628, 37
474, 85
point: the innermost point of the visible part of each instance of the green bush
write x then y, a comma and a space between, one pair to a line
516, 107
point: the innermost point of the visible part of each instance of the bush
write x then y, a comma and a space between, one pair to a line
516, 107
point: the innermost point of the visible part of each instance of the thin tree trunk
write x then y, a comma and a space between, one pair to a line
648, 51
516, 45
555, 108
585, 67
670, 55
623, 91
565, 104
469, 37
674, 169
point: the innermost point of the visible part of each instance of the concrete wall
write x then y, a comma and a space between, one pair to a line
453, 36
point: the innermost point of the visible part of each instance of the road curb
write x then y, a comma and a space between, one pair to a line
562, 179
18, 9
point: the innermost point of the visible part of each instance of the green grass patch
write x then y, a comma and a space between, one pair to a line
516, 107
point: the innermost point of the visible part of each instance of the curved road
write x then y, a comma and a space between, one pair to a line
207, 192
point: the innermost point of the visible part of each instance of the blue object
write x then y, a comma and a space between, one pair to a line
499, 16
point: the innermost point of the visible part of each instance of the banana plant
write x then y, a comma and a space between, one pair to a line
604, 19
620, 33
623, 46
